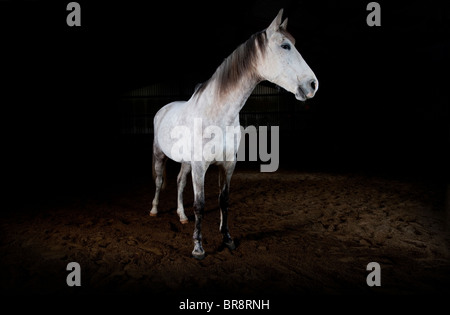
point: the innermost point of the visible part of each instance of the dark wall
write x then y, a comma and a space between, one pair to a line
382, 102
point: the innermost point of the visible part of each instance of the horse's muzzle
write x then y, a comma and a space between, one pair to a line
307, 90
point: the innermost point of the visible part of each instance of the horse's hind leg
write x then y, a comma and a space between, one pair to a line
159, 164
225, 173
181, 183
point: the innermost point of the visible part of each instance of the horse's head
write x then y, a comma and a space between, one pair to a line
283, 65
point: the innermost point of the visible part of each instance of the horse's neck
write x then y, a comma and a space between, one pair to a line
225, 107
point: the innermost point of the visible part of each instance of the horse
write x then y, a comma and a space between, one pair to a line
267, 55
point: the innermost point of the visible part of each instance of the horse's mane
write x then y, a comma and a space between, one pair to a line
240, 63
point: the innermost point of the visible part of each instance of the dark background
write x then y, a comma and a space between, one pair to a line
382, 105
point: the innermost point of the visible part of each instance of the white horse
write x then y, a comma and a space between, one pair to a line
267, 55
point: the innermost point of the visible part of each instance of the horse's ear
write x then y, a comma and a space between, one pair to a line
284, 24
275, 25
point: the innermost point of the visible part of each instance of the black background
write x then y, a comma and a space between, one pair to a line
382, 104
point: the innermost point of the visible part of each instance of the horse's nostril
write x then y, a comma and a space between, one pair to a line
313, 85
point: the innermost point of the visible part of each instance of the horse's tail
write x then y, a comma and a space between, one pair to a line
164, 172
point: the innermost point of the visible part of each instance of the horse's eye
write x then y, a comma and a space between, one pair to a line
286, 46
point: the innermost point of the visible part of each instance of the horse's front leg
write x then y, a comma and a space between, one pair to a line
225, 173
198, 181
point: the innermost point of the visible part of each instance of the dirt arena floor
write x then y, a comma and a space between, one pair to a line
296, 232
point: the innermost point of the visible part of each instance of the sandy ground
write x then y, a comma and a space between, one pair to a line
297, 232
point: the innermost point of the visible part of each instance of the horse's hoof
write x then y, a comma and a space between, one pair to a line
185, 221
153, 214
198, 255
230, 245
